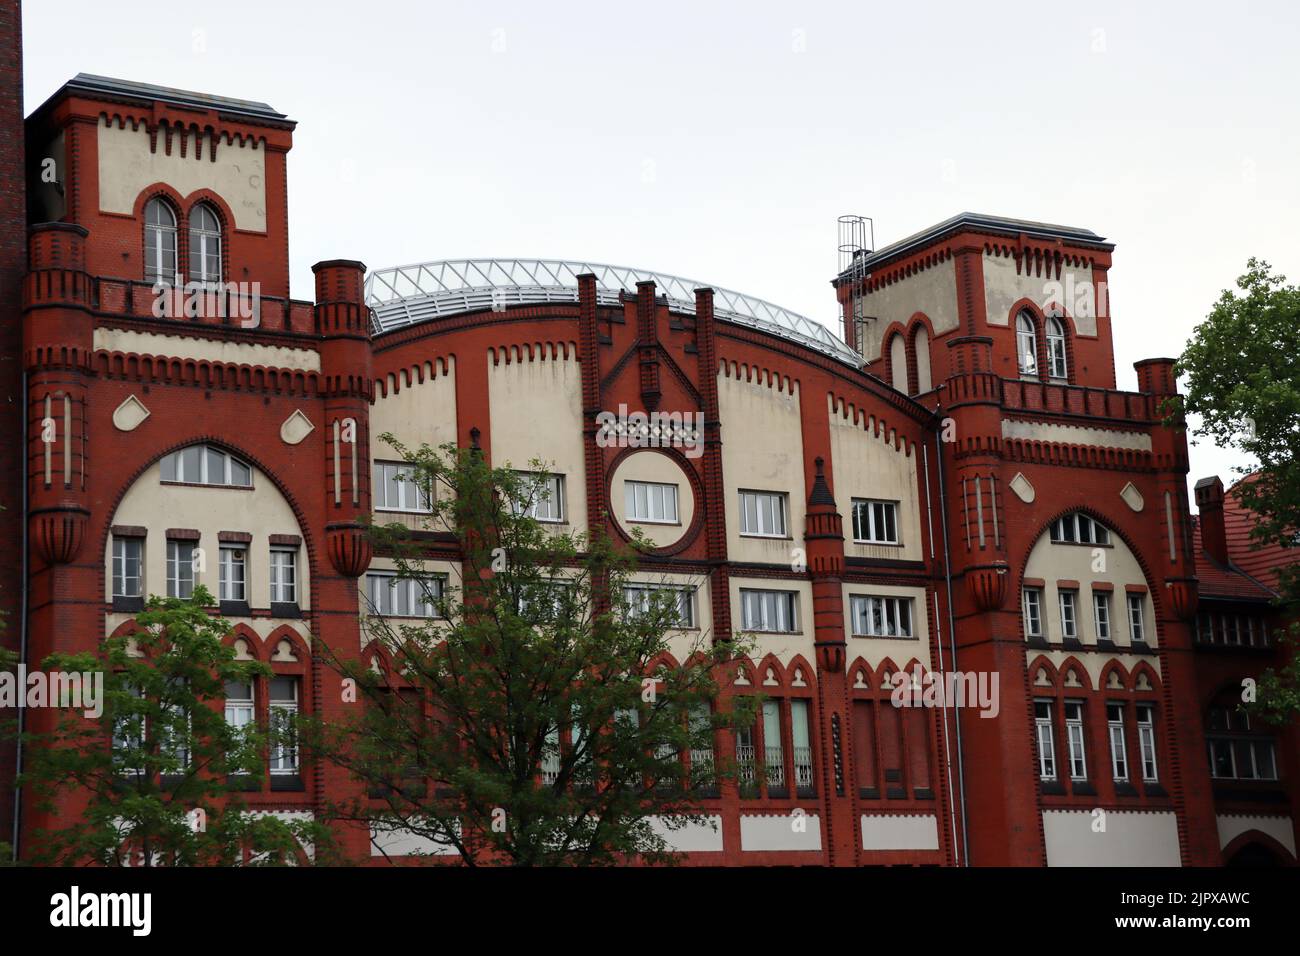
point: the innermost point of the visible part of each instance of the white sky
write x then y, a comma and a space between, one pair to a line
720, 140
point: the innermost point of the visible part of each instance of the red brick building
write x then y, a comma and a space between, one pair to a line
954, 487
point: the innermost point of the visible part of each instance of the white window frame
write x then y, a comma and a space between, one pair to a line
873, 521
284, 758
155, 245
1137, 624
205, 242
756, 522
773, 608
1101, 614
1026, 344
233, 557
121, 564
1032, 605
1074, 737
1045, 737
1067, 600
180, 572
667, 504
1058, 365
388, 600
181, 474
882, 615
284, 587
411, 499
637, 597
1076, 525
241, 711
1146, 724
1118, 743
548, 506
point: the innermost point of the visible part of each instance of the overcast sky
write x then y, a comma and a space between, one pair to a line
719, 141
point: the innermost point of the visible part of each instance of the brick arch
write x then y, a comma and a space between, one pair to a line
1241, 840
918, 322
290, 633
1114, 666
1143, 667
160, 190
799, 664
1073, 663
115, 502
770, 662
860, 666
1053, 675
887, 353
250, 637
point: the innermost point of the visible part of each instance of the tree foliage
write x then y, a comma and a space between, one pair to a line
156, 779
531, 720
1243, 381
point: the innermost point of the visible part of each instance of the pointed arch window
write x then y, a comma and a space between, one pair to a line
1026, 344
205, 245
159, 241
1056, 360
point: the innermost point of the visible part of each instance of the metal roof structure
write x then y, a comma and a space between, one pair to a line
144, 93
408, 295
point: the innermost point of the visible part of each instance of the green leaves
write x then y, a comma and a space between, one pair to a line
540, 719
155, 770
1243, 381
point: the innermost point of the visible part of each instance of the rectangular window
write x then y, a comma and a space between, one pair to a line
746, 776
638, 598
1074, 740
240, 710
1033, 598
284, 575
650, 501
762, 514
234, 565
1136, 621
283, 718
1101, 614
128, 739
544, 497
1146, 721
180, 569
1069, 626
128, 554
803, 767
875, 616
392, 596
1118, 748
769, 611
1046, 743
395, 488
875, 522
773, 756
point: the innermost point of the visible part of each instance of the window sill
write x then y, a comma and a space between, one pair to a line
129, 605
234, 609
285, 609
286, 783
203, 484
886, 637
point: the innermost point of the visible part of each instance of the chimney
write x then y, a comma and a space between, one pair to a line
1209, 502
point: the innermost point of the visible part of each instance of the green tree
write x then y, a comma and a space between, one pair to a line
155, 779
1243, 381
526, 722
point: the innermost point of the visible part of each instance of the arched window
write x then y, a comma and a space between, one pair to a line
159, 241
205, 465
205, 245
1026, 344
1056, 347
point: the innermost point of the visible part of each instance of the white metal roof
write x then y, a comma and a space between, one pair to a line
407, 295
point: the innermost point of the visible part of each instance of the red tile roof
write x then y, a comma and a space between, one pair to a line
1217, 581
1259, 562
